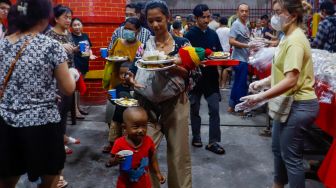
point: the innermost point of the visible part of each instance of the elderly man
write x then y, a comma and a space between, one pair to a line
239, 38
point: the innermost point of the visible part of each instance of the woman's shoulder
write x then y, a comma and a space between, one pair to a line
297, 38
50, 32
118, 41
47, 41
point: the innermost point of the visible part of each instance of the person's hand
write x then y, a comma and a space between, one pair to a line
58, 99
255, 86
114, 160
69, 48
177, 61
75, 48
93, 57
109, 97
161, 178
118, 158
258, 85
129, 77
74, 73
253, 99
252, 45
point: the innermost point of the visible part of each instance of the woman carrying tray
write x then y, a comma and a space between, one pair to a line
162, 94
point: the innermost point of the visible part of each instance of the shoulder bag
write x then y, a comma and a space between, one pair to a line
12, 66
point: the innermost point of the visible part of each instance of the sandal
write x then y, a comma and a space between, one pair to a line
107, 149
197, 142
72, 140
68, 150
62, 183
265, 132
216, 148
83, 112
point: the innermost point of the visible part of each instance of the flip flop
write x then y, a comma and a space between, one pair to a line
72, 140
197, 142
215, 148
68, 150
62, 183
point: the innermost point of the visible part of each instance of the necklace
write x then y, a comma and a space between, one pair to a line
163, 44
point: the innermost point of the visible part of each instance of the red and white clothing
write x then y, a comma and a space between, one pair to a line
139, 153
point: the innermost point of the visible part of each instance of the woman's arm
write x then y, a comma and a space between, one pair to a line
92, 56
65, 81
289, 82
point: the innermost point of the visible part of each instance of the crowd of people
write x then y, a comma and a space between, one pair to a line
41, 62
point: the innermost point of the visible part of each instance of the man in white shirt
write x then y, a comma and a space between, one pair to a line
214, 23
4, 9
223, 33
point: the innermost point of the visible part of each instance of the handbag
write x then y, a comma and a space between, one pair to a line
280, 107
159, 85
12, 66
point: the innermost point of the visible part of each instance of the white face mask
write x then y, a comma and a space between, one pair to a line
277, 22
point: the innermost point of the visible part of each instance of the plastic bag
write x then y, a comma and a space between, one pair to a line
325, 67
324, 92
262, 59
248, 107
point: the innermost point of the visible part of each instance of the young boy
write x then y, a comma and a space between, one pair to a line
122, 90
144, 157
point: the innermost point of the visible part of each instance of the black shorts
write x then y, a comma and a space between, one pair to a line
37, 150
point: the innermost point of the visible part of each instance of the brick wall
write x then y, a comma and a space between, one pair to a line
101, 18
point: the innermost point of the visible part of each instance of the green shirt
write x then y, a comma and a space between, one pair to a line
294, 53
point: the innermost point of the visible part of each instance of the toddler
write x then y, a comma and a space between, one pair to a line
144, 154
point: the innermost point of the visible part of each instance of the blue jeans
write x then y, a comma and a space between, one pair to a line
239, 87
214, 121
287, 143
